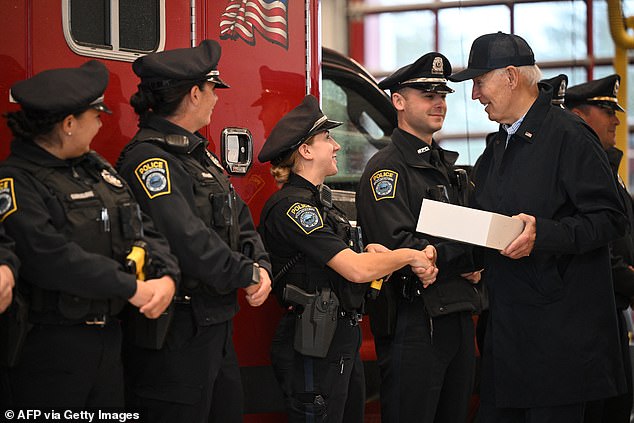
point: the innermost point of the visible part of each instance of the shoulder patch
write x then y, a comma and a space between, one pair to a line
306, 216
383, 183
7, 198
154, 176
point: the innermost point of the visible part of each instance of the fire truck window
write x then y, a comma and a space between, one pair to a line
138, 28
360, 136
113, 29
90, 22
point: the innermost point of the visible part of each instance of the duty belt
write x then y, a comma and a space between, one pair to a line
354, 316
408, 287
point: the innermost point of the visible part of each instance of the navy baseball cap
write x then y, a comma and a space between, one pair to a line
495, 51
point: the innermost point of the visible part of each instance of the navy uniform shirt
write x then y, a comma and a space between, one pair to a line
296, 225
36, 221
169, 198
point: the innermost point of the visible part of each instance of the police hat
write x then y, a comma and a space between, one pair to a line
495, 51
294, 128
559, 84
280, 83
428, 73
63, 91
173, 67
600, 92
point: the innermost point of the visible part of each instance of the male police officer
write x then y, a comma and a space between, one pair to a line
551, 341
423, 337
596, 103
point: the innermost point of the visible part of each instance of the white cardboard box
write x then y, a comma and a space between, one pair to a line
467, 225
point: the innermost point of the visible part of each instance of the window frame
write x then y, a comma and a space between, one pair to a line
114, 53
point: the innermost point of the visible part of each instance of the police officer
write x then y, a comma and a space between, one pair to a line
423, 337
181, 185
74, 220
319, 275
596, 103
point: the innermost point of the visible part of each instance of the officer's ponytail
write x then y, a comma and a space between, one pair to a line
163, 101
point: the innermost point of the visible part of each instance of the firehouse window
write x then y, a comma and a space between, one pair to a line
360, 136
571, 37
115, 29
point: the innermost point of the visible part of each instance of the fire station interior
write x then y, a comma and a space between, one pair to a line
571, 37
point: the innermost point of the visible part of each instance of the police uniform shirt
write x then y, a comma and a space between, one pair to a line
297, 225
166, 191
391, 190
35, 219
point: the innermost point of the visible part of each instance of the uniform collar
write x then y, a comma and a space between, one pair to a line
300, 182
32, 152
614, 157
417, 152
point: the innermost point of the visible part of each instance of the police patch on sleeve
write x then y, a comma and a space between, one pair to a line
383, 184
7, 198
307, 217
154, 176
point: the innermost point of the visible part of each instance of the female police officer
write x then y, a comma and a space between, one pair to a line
183, 188
315, 350
73, 221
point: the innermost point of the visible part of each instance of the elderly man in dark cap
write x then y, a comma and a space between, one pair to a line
551, 341
596, 103
423, 337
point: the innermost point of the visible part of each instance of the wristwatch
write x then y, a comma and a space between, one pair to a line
255, 278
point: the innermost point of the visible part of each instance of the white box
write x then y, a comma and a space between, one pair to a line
467, 225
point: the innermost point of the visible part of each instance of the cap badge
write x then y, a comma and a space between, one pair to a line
616, 88
111, 179
437, 66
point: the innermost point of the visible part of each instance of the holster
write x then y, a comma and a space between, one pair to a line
382, 311
14, 327
315, 326
147, 333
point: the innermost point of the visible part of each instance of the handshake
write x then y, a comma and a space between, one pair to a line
422, 262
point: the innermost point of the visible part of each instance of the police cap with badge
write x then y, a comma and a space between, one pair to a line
559, 84
295, 128
599, 92
184, 65
64, 91
428, 73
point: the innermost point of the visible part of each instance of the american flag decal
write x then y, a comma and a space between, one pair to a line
243, 17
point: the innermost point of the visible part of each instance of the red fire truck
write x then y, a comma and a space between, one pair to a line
271, 57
